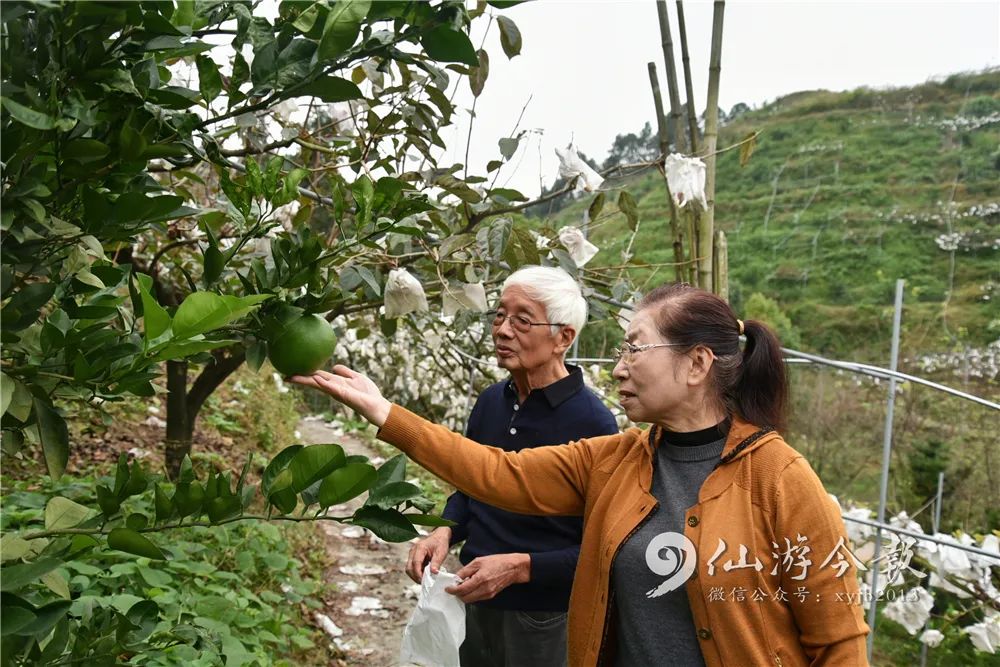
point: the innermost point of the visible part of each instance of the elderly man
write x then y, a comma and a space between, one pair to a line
518, 569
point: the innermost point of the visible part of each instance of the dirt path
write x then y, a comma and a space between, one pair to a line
370, 598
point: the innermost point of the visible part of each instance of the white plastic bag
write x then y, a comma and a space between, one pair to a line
437, 627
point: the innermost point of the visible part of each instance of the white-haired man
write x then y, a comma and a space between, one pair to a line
518, 569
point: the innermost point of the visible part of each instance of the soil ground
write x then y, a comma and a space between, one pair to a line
370, 637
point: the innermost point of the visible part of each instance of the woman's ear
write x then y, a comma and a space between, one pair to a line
702, 359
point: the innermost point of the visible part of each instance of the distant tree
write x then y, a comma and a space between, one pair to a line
738, 110
631, 148
768, 311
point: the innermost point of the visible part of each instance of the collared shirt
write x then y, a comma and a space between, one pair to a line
561, 412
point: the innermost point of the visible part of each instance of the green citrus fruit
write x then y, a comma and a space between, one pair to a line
303, 346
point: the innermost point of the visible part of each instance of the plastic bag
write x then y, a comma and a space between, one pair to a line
437, 627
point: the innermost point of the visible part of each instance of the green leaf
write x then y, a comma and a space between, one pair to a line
508, 194
343, 23
510, 36
332, 89
313, 463
56, 582
478, 75
387, 524
459, 188
131, 143
345, 483
428, 520
26, 116
7, 386
596, 206
200, 312
508, 146
129, 541
155, 320
13, 547
393, 470
449, 46
164, 508
187, 348
392, 494
64, 513
256, 354
85, 149
627, 206
209, 79
15, 618
275, 467
497, 236
15, 577
54, 435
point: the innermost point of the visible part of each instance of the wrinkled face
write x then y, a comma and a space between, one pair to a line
517, 351
653, 384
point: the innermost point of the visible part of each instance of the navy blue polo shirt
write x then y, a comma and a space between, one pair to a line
564, 411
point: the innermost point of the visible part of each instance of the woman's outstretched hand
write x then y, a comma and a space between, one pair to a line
350, 388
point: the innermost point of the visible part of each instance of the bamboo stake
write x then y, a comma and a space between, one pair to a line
675, 232
667, 43
689, 87
706, 230
661, 121
720, 259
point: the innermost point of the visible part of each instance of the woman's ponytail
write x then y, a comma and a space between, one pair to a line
761, 391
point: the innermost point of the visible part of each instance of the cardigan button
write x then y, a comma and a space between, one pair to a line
692, 521
705, 633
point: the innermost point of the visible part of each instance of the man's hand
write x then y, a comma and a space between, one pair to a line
488, 575
432, 550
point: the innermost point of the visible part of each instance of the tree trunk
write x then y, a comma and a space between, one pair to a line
706, 230
180, 429
688, 85
666, 41
183, 404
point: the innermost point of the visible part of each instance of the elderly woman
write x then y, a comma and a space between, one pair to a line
707, 539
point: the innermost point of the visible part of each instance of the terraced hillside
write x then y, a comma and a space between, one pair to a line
845, 193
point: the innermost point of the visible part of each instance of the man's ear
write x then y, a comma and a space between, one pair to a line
702, 359
564, 338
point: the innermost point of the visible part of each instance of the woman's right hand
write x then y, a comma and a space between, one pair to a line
350, 388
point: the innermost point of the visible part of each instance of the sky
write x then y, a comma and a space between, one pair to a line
582, 73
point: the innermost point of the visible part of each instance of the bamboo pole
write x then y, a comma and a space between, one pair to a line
661, 121
706, 230
688, 85
666, 41
675, 232
720, 258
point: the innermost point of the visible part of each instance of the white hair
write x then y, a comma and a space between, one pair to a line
556, 290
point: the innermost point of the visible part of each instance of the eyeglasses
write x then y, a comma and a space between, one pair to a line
629, 350
518, 322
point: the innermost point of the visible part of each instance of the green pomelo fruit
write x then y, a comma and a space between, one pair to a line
303, 346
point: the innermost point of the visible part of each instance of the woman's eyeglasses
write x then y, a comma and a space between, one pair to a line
520, 323
629, 350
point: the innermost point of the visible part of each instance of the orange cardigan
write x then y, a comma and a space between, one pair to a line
764, 495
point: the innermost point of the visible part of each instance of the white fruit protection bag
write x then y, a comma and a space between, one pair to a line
437, 627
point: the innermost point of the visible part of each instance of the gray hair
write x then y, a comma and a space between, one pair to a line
556, 290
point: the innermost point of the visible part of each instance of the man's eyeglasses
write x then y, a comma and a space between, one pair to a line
629, 350
518, 322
